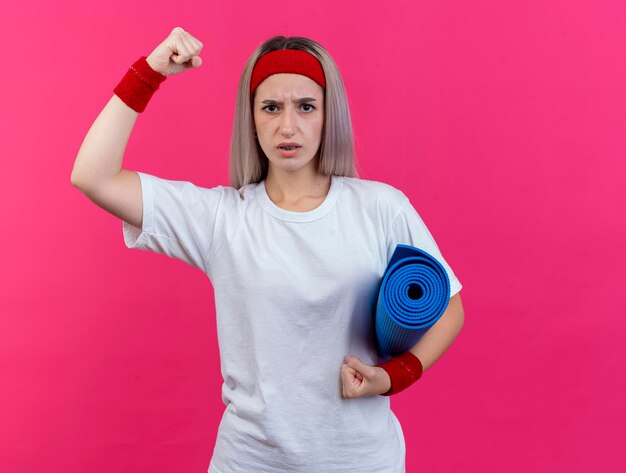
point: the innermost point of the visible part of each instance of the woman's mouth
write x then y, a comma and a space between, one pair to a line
288, 150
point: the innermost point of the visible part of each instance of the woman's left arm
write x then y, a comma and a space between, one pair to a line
438, 338
359, 379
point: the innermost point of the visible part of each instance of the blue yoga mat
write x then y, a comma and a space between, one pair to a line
413, 295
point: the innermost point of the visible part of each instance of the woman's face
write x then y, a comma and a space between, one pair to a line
289, 108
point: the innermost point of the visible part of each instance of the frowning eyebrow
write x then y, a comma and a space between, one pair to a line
302, 100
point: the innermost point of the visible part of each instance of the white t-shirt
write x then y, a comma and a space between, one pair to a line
295, 292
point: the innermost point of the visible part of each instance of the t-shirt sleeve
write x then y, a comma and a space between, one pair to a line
178, 220
408, 228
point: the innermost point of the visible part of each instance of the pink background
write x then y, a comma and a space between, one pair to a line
504, 123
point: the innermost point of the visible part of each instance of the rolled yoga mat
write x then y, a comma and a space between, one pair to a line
413, 295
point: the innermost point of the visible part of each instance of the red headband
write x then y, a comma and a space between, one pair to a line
293, 61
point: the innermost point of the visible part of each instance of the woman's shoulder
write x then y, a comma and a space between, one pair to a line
368, 189
234, 195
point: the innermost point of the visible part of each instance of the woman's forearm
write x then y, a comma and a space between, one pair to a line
100, 156
440, 336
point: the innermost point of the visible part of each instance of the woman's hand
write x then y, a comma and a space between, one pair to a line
359, 379
177, 53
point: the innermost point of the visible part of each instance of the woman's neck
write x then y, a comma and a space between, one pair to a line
294, 189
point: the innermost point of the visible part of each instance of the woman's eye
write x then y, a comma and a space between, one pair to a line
272, 108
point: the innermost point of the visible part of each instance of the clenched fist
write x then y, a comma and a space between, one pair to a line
359, 379
177, 53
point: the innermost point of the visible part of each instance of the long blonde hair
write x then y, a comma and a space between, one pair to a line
248, 163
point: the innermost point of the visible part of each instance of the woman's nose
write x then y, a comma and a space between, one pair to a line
287, 120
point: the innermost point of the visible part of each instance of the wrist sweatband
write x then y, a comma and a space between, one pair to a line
287, 61
403, 370
137, 86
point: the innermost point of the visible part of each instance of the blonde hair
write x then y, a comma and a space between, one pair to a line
248, 163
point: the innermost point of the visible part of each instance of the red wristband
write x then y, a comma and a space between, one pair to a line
137, 86
403, 370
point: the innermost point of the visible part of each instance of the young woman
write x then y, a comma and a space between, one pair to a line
295, 250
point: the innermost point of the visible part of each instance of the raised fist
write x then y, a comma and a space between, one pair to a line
177, 53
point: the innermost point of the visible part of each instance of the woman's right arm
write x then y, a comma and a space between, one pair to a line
97, 171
